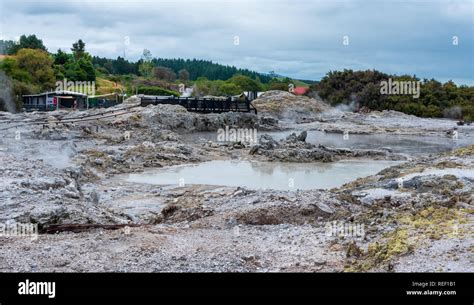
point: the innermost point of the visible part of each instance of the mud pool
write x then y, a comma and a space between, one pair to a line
264, 175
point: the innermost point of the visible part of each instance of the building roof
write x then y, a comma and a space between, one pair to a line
59, 92
300, 90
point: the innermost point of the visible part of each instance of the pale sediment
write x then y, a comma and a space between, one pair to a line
416, 216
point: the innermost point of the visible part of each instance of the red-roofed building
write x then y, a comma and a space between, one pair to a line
300, 90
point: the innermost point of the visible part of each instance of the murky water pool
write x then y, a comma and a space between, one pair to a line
408, 144
264, 175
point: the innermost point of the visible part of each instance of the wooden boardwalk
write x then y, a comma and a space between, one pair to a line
201, 104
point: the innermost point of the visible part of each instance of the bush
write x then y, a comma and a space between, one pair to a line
229, 89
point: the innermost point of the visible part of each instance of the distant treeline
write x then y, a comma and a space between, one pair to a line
195, 67
363, 88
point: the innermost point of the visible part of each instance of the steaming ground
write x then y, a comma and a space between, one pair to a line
417, 216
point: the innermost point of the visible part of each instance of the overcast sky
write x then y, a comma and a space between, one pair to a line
301, 39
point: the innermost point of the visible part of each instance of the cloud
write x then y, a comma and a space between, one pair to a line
301, 39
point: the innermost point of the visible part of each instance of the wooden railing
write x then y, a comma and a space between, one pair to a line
202, 104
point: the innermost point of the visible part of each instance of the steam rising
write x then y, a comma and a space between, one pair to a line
453, 113
352, 107
6, 93
347, 107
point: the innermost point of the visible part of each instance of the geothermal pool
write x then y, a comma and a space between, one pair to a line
408, 144
264, 175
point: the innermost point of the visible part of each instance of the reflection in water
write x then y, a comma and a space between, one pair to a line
265, 175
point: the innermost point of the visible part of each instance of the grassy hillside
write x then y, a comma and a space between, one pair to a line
104, 86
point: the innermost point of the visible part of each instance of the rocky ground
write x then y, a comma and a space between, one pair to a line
416, 216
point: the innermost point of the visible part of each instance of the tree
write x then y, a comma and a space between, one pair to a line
39, 65
74, 67
195, 67
146, 66
87, 68
61, 58
147, 55
78, 49
183, 75
163, 73
27, 42
5, 46
201, 87
121, 66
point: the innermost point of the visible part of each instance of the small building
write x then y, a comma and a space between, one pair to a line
300, 90
48, 101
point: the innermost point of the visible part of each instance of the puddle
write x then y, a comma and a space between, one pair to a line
264, 175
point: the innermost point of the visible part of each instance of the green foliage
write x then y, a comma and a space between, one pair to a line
33, 70
102, 71
154, 90
61, 58
87, 68
245, 83
202, 86
363, 88
11, 68
74, 67
229, 89
39, 65
28, 72
78, 49
145, 67
283, 83
26, 42
6, 46
118, 66
233, 86
276, 84
13, 89
195, 68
